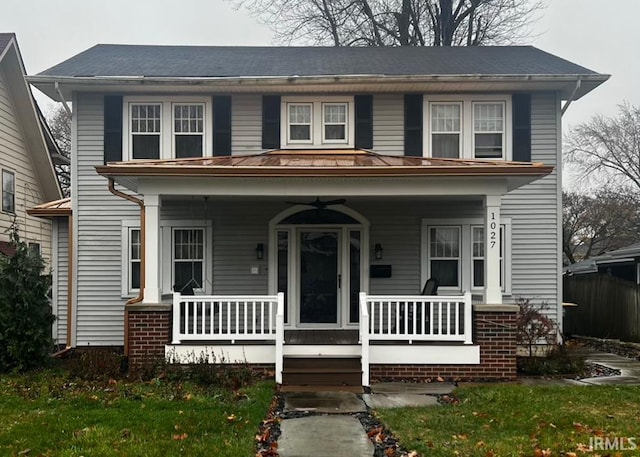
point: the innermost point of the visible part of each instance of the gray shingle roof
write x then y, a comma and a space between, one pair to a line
216, 61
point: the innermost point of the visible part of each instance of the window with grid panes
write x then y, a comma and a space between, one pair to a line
334, 126
300, 122
488, 130
188, 258
444, 255
446, 130
188, 130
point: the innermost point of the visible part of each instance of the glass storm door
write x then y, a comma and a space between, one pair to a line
319, 276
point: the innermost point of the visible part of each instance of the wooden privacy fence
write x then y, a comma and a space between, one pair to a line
608, 307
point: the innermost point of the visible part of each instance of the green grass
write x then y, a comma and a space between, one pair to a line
514, 420
44, 414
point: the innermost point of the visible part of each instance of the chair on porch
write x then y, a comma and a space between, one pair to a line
430, 288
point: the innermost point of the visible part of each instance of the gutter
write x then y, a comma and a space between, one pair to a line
140, 296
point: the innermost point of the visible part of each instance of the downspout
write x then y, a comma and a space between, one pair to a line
140, 296
69, 291
571, 97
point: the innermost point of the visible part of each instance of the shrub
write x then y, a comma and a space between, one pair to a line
533, 326
561, 360
96, 364
25, 313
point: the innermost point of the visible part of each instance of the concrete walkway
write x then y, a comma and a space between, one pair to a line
325, 423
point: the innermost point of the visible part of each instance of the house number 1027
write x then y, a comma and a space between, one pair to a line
493, 236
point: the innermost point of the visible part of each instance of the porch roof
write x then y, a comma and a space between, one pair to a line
322, 163
55, 208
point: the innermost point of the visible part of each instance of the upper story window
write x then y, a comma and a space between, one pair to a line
488, 130
177, 127
468, 127
446, 130
317, 122
8, 192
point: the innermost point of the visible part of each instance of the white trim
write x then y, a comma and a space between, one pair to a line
317, 121
167, 145
15, 203
432, 132
467, 136
466, 267
345, 123
425, 355
125, 231
55, 277
226, 354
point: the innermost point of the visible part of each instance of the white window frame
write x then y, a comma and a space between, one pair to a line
318, 139
345, 123
175, 134
503, 231
166, 254
433, 132
289, 124
167, 142
2, 191
466, 253
467, 144
500, 132
458, 258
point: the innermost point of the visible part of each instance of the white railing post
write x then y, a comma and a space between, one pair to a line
176, 319
468, 318
279, 337
364, 337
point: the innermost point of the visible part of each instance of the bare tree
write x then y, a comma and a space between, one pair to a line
60, 127
595, 224
397, 22
607, 148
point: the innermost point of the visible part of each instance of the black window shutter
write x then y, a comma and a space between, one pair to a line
270, 122
364, 121
413, 125
222, 125
521, 108
112, 128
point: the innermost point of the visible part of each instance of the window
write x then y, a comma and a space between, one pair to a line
135, 255
334, 127
446, 130
34, 249
477, 275
468, 126
453, 253
8, 192
146, 128
172, 128
188, 258
444, 255
188, 130
488, 130
315, 122
300, 123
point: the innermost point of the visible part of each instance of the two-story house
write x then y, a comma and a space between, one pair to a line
339, 214
27, 152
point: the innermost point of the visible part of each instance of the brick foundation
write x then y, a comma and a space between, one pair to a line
149, 332
494, 331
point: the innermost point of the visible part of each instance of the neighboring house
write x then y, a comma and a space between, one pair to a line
623, 263
305, 195
27, 152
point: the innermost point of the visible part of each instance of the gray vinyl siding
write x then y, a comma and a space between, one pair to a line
388, 124
98, 215
246, 124
16, 158
60, 272
534, 212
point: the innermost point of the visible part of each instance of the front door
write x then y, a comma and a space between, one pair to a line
319, 273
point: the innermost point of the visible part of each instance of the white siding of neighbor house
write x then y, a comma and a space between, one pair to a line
60, 277
97, 215
395, 224
15, 157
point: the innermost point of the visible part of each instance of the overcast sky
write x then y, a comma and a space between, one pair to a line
593, 33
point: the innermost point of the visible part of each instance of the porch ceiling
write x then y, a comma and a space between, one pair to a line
353, 165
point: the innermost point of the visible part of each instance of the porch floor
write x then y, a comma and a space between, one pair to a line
320, 337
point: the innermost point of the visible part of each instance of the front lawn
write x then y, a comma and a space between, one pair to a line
514, 420
46, 414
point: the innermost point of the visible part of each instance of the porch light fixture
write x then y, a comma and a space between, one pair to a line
377, 249
260, 251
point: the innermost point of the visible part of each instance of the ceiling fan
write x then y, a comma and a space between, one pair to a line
319, 204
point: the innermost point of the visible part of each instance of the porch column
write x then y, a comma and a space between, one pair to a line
152, 292
492, 289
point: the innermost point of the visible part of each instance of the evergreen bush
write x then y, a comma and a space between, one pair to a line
25, 312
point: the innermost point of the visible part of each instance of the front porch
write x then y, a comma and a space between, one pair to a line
409, 330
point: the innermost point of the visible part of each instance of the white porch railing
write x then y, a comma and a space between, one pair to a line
219, 317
